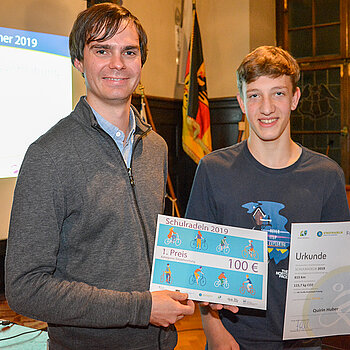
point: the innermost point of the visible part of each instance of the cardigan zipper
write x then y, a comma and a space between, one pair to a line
132, 183
131, 178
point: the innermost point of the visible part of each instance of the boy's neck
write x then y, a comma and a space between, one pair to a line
276, 154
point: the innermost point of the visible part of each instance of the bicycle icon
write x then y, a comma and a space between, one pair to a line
203, 244
202, 281
244, 288
225, 284
172, 237
251, 253
176, 241
223, 248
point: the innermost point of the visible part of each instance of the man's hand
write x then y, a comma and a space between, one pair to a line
169, 307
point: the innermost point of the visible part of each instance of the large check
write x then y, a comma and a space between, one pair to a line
213, 263
318, 293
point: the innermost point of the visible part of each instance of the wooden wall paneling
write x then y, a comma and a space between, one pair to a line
225, 115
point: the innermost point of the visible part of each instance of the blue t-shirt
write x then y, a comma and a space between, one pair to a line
232, 188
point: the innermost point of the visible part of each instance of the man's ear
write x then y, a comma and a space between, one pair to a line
79, 65
241, 103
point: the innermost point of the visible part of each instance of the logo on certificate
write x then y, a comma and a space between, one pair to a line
303, 233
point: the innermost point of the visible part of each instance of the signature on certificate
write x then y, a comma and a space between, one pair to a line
302, 325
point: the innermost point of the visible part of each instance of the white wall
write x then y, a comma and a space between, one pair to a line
229, 29
262, 19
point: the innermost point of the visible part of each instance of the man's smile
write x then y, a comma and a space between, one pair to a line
114, 79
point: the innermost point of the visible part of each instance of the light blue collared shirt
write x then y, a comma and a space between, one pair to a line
118, 136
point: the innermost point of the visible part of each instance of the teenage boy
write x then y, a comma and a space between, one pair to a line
272, 175
86, 202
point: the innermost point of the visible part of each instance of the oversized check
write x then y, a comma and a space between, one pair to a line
318, 292
213, 263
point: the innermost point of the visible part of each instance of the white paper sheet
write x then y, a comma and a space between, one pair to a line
318, 293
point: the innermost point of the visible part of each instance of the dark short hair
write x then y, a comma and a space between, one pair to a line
268, 61
99, 23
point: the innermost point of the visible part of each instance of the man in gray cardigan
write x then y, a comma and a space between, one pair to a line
86, 202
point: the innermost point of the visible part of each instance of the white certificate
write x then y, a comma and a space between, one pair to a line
318, 293
213, 263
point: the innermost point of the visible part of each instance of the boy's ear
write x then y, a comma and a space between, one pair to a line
241, 103
295, 99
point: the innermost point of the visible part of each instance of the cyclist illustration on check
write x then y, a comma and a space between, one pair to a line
223, 246
199, 242
172, 237
247, 285
222, 281
198, 277
167, 275
250, 251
